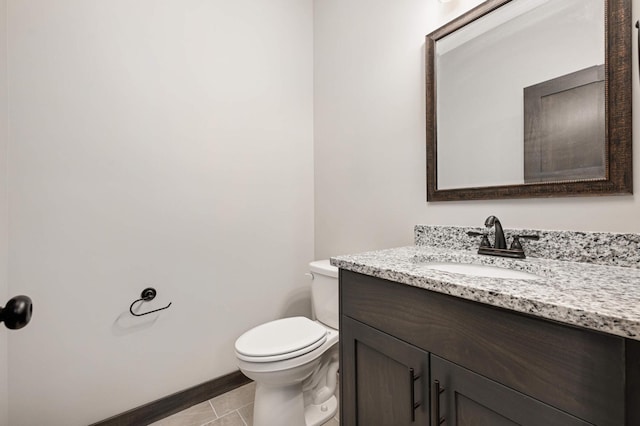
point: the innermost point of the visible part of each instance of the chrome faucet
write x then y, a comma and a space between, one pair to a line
500, 242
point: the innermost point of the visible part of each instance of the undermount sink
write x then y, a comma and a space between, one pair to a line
476, 270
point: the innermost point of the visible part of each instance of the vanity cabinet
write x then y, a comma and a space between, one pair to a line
389, 380
410, 356
462, 397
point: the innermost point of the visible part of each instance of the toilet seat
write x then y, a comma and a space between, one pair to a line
280, 340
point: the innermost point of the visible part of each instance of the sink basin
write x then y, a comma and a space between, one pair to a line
476, 270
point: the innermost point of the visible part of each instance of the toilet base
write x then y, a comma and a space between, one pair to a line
285, 405
276, 405
316, 415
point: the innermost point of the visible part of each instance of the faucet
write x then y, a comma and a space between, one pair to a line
500, 242
499, 247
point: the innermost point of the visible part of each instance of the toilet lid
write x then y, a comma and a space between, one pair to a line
282, 338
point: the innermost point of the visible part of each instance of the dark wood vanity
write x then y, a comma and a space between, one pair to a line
411, 356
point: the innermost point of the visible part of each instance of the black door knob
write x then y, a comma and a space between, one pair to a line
17, 313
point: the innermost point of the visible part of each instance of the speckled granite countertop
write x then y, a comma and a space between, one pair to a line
598, 297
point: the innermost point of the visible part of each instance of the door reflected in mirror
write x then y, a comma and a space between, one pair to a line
517, 100
564, 128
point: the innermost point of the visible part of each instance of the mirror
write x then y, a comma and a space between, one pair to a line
530, 98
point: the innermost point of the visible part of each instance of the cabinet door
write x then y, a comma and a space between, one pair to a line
461, 397
384, 381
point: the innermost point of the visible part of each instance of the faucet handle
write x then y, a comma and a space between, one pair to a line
529, 237
485, 240
515, 244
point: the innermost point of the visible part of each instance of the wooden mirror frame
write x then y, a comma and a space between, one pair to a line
618, 83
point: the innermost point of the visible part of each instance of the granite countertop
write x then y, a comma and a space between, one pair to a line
597, 297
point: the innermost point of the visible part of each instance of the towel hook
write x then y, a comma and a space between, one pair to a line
147, 294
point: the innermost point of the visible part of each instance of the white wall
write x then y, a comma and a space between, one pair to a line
4, 288
370, 156
163, 143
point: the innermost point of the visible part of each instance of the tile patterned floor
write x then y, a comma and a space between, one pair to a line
233, 408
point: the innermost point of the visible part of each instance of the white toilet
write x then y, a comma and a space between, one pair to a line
294, 361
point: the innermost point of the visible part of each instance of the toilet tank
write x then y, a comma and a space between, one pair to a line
324, 292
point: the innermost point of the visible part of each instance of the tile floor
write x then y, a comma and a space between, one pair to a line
234, 408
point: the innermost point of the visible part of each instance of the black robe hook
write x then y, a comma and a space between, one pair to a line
17, 312
147, 294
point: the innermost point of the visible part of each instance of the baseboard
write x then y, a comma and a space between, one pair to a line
163, 407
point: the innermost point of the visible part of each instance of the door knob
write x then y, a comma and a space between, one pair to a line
17, 313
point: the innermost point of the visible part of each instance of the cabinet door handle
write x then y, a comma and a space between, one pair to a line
435, 403
412, 383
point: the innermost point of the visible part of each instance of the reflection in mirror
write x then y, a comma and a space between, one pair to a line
564, 128
482, 70
517, 100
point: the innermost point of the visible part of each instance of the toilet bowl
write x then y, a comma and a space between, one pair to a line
294, 361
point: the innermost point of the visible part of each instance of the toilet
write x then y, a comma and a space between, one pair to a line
294, 361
